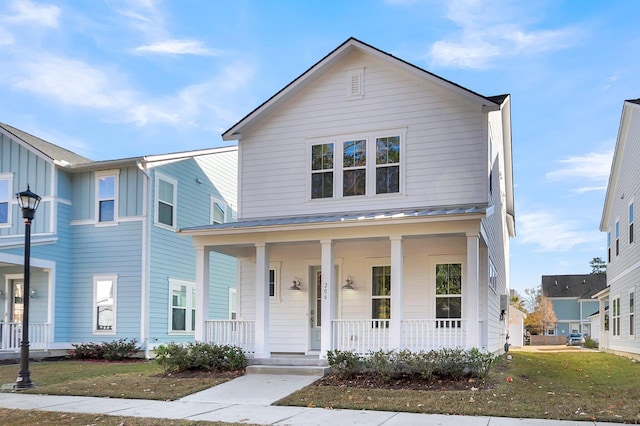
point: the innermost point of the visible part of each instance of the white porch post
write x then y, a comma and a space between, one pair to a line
328, 297
202, 292
262, 302
395, 323
470, 292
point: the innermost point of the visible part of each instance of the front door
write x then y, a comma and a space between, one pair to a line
17, 301
315, 307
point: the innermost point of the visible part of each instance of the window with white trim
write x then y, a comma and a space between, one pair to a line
166, 201
322, 170
609, 246
448, 294
388, 165
104, 303
107, 196
617, 237
354, 167
5, 199
219, 211
182, 306
381, 295
631, 222
615, 316
632, 314
493, 275
274, 280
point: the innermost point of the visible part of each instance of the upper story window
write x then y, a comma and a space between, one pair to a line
370, 165
631, 222
219, 211
354, 166
609, 246
388, 165
5, 199
617, 237
322, 170
107, 196
166, 201
104, 304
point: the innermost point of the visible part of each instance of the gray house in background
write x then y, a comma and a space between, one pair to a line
571, 297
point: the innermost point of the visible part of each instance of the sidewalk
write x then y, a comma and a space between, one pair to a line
247, 399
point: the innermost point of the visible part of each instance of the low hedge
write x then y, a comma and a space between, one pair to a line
176, 357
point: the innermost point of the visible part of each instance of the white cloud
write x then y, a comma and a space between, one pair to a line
553, 234
26, 12
177, 47
486, 34
593, 166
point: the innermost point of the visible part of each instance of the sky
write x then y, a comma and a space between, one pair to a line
112, 79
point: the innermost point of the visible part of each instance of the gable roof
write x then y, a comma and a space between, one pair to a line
53, 152
577, 286
350, 45
629, 108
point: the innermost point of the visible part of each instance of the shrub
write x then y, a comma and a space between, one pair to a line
116, 350
591, 344
174, 357
345, 363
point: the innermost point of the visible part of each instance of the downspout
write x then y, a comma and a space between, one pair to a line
144, 287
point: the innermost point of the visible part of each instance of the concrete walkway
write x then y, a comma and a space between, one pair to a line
248, 399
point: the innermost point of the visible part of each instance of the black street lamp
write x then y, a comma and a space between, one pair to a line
28, 202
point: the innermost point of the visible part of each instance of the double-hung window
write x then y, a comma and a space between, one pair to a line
617, 237
388, 165
104, 303
218, 211
322, 170
632, 314
609, 246
5, 198
615, 317
493, 275
182, 306
448, 294
107, 196
630, 222
354, 168
166, 201
381, 295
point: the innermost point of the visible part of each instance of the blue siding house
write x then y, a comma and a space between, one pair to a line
106, 260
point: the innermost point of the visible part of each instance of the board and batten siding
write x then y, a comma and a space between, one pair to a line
444, 153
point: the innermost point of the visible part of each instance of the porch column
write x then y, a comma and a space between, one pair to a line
395, 323
328, 298
470, 292
262, 302
202, 292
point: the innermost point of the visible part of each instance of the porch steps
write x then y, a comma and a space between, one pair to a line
292, 365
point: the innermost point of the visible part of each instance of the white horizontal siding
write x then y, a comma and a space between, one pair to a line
444, 151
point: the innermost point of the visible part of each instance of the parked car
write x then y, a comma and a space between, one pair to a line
575, 339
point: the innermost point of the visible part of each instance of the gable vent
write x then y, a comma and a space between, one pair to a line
355, 83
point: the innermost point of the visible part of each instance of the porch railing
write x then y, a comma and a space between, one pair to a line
427, 334
239, 333
11, 336
360, 336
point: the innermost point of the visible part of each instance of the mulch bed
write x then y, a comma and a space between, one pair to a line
373, 381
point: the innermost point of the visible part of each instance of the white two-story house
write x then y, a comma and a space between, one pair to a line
375, 212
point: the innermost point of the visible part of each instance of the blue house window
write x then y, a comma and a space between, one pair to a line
107, 196
5, 197
166, 201
182, 306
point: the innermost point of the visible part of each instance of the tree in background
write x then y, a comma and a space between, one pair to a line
542, 317
517, 303
598, 266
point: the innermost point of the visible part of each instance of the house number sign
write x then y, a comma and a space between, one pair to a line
325, 291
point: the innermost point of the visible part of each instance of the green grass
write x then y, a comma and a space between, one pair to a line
569, 386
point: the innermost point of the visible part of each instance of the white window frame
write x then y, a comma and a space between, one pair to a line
103, 174
233, 303
493, 275
373, 297
632, 313
215, 201
615, 316
448, 261
617, 229
190, 306
9, 178
114, 291
631, 214
276, 268
156, 200
371, 167
609, 246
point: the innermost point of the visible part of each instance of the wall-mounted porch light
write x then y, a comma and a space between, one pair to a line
348, 283
296, 284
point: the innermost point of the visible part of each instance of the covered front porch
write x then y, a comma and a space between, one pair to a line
406, 282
